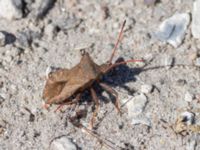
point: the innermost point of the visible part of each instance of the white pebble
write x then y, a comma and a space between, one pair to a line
196, 19
197, 62
136, 105
62, 143
146, 88
189, 97
50, 30
2, 39
173, 29
191, 145
9, 10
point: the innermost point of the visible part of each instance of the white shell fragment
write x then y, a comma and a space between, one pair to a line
196, 19
173, 29
62, 143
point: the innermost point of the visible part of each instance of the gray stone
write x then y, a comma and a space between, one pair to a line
136, 105
62, 143
146, 88
196, 19
173, 29
2, 39
44, 7
26, 37
11, 9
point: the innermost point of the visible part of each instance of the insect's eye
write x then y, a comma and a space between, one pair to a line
50, 75
82, 51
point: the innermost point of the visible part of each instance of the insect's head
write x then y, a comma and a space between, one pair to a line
83, 52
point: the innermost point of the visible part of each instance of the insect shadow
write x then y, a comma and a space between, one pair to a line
118, 77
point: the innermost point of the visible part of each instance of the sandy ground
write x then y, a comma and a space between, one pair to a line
94, 26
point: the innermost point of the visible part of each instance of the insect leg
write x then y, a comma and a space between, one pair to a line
74, 101
95, 99
114, 93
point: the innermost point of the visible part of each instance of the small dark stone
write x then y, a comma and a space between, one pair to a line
44, 8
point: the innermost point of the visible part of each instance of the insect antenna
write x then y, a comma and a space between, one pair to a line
123, 62
117, 43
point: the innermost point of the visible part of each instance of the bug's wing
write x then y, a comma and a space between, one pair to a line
60, 75
75, 83
55, 83
52, 89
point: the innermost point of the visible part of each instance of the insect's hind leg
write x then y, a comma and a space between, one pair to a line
114, 93
95, 99
75, 101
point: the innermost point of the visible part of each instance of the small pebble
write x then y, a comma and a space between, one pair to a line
146, 88
187, 117
1, 99
43, 8
2, 39
191, 145
184, 121
26, 37
189, 97
8, 58
181, 82
192, 56
63, 143
136, 105
173, 29
195, 19
50, 30
11, 9
197, 62
168, 61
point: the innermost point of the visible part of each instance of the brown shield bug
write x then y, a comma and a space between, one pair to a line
64, 84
